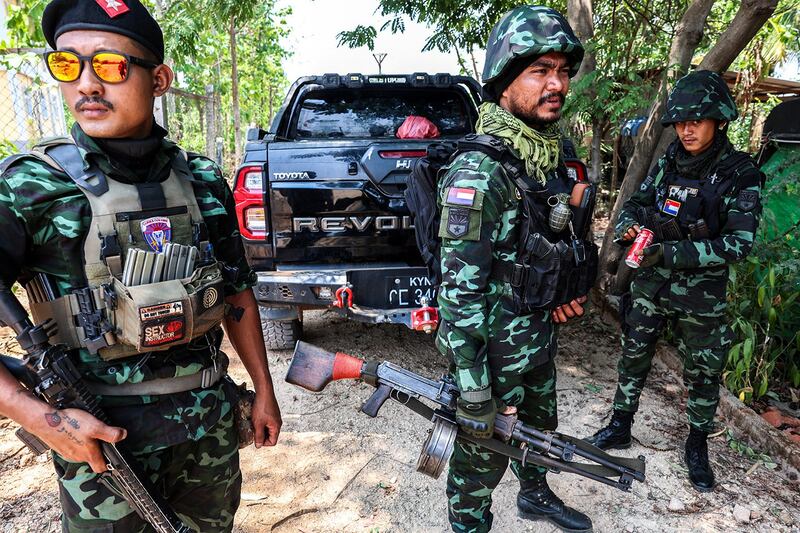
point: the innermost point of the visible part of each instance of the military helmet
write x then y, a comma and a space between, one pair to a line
530, 31
698, 95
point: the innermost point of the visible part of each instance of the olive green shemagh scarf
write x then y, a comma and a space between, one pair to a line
539, 149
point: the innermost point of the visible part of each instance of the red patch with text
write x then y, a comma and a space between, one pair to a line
158, 332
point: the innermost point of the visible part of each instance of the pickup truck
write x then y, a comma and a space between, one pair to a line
320, 202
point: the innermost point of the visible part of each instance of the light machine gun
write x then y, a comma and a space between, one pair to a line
312, 368
48, 372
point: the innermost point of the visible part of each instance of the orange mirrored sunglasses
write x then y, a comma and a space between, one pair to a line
109, 67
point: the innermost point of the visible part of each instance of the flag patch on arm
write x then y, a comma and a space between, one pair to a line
461, 196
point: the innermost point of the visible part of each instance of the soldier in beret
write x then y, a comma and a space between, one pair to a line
71, 211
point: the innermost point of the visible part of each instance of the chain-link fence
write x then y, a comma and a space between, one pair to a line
31, 108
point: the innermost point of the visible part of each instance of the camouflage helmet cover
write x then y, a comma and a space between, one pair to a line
698, 95
530, 31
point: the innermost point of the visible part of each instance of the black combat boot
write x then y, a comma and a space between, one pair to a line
700, 474
616, 435
536, 501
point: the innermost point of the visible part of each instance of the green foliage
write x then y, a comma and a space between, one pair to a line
743, 449
198, 49
765, 309
7, 148
23, 24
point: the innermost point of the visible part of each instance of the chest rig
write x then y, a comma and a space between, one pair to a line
689, 208
556, 261
130, 305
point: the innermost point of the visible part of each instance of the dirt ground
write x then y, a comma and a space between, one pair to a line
336, 469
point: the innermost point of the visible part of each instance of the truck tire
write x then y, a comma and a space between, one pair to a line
281, 334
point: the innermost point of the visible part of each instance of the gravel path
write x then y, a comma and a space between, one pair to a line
336, 469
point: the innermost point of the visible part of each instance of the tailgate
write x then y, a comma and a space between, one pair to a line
335, 201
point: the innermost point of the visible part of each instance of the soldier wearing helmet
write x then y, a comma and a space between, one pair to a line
502, 353
701, 200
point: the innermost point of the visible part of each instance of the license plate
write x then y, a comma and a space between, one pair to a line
408, 291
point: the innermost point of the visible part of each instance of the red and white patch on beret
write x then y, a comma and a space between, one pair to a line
113, 8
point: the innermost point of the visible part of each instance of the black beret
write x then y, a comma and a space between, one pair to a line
125, 17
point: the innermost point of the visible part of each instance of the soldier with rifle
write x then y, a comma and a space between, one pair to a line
130, 253
505, 254
701, 203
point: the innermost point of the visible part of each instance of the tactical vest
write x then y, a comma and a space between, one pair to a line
552, 267
131, 305
688, 208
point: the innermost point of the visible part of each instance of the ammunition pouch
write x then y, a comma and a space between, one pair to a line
663, 228
117, 321
548, 275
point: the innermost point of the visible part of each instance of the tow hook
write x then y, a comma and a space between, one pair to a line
344, 297
426, 318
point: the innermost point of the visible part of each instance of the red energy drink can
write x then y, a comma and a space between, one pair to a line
643, 240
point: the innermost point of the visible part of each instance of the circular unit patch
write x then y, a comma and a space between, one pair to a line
210, 297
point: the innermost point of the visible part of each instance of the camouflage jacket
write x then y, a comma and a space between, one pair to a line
44, 219
479, 332
739, 212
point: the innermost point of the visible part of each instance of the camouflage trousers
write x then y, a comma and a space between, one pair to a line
696, 311
475, 471
200, 479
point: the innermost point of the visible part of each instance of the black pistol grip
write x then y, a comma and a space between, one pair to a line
376, 401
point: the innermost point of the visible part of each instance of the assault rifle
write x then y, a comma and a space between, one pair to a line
312, 368
48, 372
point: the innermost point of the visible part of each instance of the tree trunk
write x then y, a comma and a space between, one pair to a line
579, 15
237, 119
596, 157
271, 107
687, 36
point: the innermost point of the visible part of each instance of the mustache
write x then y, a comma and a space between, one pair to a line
93, 100
546, 96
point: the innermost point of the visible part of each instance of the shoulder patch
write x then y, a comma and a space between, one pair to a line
747, 200
457, 222
461, 196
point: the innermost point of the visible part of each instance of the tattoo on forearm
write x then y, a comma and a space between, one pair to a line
54, 419
70, 436
236, 313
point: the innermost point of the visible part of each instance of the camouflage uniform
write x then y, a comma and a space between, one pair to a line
488, 344
185, 441
689, 289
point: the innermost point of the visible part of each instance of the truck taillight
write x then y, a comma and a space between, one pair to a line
576, 170
255, 220
401, 154
248, 193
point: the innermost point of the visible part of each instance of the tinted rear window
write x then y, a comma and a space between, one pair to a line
342, 114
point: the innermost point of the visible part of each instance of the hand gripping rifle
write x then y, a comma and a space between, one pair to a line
48, 372
312, 368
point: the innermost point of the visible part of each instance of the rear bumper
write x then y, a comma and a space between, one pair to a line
380, 294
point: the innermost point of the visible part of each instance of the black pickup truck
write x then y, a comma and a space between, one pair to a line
320, 198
